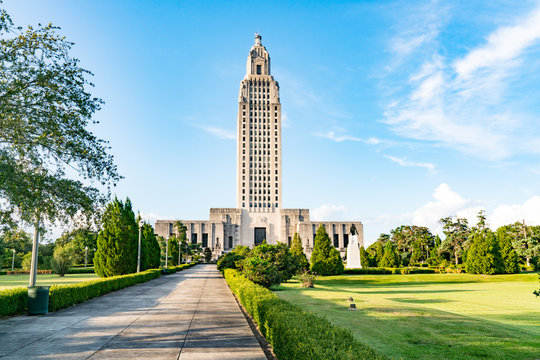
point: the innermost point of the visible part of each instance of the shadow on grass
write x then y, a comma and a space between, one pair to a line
421, 301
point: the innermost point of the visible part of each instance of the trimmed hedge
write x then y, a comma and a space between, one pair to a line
383, 271
61, 296
295, 334
176, 268
13, 301
78, 270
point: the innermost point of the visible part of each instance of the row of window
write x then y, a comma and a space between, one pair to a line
263, 191
263, 205
260, 198
264, 107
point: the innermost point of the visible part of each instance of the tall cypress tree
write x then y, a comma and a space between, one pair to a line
117, 241
297, 251
364, 258
390, 257
483, 256
150, 251
325, 259
379, 253
510, 261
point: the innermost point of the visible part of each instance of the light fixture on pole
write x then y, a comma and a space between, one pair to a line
13, 260
166, 252
141, 223
179, 250
85, 256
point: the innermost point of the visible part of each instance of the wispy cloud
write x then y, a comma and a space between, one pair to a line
219, 132
403, 162
502, 46
332, 135
462, 103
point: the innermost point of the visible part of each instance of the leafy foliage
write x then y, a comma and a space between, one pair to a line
62, 259
483, 256
364, 258
117, 241
510, 260
150, 251
45, 109
457, 233
270, 264
207, 253
298, 252
325, 259
390, 257
233, 260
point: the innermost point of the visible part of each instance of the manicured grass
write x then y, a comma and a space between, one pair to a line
431, 316
13, 281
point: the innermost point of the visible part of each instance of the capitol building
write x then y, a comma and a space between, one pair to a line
258, 214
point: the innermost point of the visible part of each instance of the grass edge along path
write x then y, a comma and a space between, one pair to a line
295, 334
14, 301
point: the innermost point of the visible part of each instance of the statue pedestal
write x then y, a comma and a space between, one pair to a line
353, 254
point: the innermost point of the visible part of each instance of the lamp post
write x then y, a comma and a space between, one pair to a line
141, 223
166, 251
85, 256
13, 260
179, 250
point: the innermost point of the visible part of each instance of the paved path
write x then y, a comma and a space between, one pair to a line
189, 315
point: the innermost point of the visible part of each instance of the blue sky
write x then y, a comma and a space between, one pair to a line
393, 112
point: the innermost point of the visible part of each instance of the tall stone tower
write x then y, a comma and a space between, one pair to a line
259, 136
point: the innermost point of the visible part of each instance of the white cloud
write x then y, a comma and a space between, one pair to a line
508, 214
503, 45
328, 212
331, 135
464, 106
151, 218
403, 162
219, 133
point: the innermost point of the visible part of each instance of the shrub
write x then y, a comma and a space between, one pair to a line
390, 257
78, 270
483, 256
325, 259
292, 332
150, 250
298, 252
117, 241
229, 261
207, 253
307, 279
27, 261
13, 301
62, 259
261, 271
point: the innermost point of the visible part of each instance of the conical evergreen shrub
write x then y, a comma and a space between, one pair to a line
390, 257
483, 256
510, 261
325, 259
150, 250
297, 251
117, 241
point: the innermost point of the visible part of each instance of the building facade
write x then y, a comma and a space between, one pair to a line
258, 214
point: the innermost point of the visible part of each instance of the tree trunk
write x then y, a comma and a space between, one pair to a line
528, 261
456, 257
33, 266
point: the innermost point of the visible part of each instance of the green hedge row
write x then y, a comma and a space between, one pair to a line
13, 301
295, 333
78, 270
379, 271
61, 296
176, 268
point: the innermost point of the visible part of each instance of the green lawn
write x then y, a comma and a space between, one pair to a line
12, 281
431, 316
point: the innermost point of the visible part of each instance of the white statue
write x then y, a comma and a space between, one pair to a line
353, 251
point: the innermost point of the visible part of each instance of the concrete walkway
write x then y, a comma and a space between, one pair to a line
189, 315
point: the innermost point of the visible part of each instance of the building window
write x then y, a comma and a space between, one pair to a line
336, 240
194, 238
345, 240
204, 240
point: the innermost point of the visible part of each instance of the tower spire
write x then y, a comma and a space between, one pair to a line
258, 38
